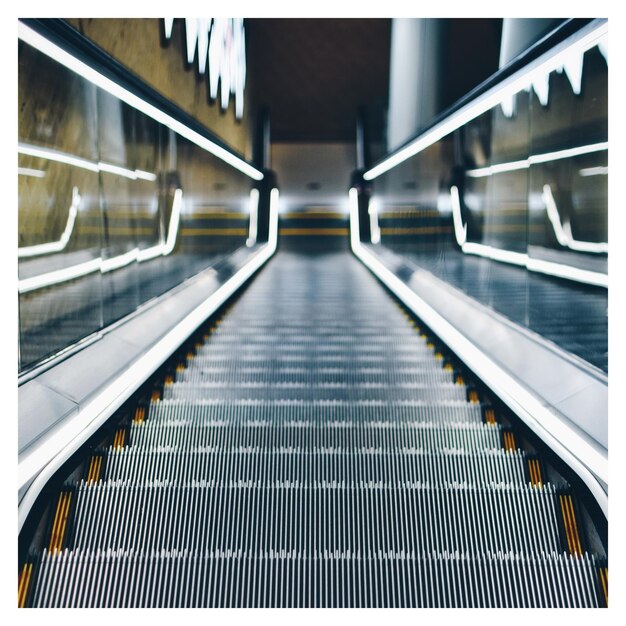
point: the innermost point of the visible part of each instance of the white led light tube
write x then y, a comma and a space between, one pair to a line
33, 38
585, 39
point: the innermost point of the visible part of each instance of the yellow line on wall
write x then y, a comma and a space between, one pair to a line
289, 232
199, 232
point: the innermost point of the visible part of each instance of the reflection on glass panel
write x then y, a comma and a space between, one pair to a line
59, 217
114, 208
522, 186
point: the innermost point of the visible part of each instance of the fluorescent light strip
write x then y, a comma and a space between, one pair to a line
63, 57
40, 463
71, 159
66, 274
587, 462
546, 157
519, 258
254, 217
582, 41
29, 171
55, 246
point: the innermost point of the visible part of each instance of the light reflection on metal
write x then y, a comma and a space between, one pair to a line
563, 232
55, 246
535, 159
374, 226
254, 216
71, 159
29, 171
594, 171
220, 45
587, 38
66, 274
519, 258
45, 46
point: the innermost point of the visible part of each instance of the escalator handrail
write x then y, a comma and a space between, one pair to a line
549, 42
62, 35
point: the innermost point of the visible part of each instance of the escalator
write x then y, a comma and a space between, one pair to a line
313, 446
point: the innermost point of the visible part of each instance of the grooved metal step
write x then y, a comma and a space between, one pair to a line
315, 450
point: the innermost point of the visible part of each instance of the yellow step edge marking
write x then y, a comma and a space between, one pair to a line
92, 469
438, 356
169, 379
60, 520
536, 470
22, 587
459, 380
490, 416
94, 472
179, 368
64, 521
604, 581
140, 413
156, 394
533, 472
198, 345
448, 367
120, 435
509, 441
55, 524
570, 504
473, 397
430, 345
189, 355
569, 531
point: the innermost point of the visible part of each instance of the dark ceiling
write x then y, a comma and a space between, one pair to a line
313, 74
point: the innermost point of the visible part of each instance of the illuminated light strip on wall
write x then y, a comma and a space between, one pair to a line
71, 159
254, 217
579, 454
29, 171
41, 460
546, 157
32, 38
563, 234
55, 246
585, 39
519, 258
99, 264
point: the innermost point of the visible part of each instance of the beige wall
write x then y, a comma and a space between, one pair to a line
136, 44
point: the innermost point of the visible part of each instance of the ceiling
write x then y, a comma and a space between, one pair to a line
313, 74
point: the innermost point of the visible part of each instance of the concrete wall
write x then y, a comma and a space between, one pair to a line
136, 44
